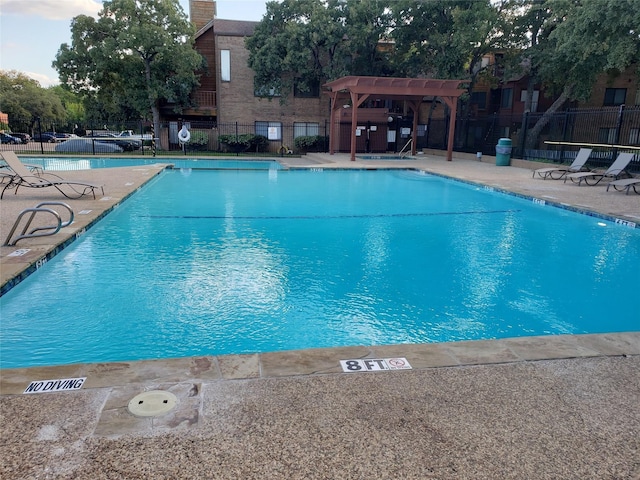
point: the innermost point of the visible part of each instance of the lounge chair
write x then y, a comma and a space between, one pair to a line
625, 184
556, 173
616, 171
5, 170
20, 176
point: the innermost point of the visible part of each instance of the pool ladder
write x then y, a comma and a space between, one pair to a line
48, 230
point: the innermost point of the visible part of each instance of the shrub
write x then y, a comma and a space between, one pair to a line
259, 143
199, 138
246, 141
311, 143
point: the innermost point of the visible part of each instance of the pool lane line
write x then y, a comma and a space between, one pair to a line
327, 217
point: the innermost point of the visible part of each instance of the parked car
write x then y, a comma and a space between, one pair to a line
132, 134
65, 136
61, 136
87, 145
44, 137
25, 137
6, 138
128, 145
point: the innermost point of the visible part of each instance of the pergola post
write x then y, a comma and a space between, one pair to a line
452, 103
415, 106
354, 124
332, 118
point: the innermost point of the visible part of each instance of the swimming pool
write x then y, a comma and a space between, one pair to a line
88, 163
220, 262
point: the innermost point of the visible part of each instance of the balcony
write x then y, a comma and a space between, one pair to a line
205, 99
206, 106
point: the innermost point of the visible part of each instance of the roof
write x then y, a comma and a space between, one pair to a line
234, 28
392, 86
229, 28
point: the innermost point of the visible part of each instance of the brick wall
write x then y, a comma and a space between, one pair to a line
206, 47
237, 104
201, 12
627, 79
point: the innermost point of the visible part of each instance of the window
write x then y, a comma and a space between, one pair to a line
507, 98
479, 99
534, 99
266, 92
225, 65
607, 135
614, 96
271, 130
305, 129
313, 90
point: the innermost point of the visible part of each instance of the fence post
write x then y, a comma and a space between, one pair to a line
523, 137
325, 136
153, 140
40, 134
619, 124
564, 135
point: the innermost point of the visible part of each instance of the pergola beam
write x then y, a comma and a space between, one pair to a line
412, 90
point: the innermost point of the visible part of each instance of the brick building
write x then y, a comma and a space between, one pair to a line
227, 96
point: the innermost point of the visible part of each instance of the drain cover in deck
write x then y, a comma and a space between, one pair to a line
152, 404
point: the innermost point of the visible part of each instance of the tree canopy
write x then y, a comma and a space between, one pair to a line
133, 57
585, 38
565, 44
314, 41
25, 101
572, 42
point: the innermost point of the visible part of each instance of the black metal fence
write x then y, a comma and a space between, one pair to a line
611, 129
606, 126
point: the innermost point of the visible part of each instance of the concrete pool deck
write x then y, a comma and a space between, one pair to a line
534, 407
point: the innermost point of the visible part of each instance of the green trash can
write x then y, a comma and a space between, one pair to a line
503, 152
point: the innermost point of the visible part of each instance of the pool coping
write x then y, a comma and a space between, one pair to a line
326, 361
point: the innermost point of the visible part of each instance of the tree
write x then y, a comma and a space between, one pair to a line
296, 45
73, 106
132, 58
448, 39
25, 101
304, 43
580, 40
314, 40
367, 29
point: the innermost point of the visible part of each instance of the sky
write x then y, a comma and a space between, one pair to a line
31, 31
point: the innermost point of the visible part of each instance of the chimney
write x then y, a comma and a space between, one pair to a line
201, 12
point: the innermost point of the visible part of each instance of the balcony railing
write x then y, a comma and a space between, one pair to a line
205, 98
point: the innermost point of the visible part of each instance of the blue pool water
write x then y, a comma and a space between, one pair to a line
88, 163
227, 261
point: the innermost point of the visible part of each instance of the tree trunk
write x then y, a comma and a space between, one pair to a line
153, 103
532, 136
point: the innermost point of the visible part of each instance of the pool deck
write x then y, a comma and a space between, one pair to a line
535, 407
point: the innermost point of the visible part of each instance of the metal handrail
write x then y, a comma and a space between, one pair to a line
38, 208
402, 152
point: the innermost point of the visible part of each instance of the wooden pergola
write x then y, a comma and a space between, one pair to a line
410, 90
